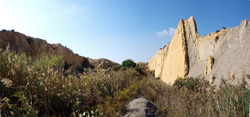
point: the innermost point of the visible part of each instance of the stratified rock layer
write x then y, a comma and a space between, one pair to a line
218, 54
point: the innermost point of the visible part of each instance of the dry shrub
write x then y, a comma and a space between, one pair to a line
203, 100
39, 87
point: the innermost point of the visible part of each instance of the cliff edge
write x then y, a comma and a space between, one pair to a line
21, 43
221, 54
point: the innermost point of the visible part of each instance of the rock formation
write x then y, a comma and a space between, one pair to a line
219, 54
210, 63
102, 63
33, 46
140, 107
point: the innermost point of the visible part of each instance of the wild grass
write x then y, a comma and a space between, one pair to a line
194, 97
41, 87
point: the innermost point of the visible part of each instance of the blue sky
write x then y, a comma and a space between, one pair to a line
117, 29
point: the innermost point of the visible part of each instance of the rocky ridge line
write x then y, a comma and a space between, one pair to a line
21, 43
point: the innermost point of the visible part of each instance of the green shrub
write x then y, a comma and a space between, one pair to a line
116, 104
128, 63
190, 83
139, 70
80, 68
116, 67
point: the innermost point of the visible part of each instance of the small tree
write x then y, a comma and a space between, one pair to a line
129, 63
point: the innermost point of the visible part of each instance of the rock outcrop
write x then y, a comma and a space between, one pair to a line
210, 63
140, 107
219, 54
34, 46
102, 63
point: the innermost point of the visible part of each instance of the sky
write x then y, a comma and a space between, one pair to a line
117, 29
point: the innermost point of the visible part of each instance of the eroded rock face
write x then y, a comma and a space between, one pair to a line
210, 63
218, 54
172, 61
33, 46
175, 64
102, 63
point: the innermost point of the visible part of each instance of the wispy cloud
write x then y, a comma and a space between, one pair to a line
170, 32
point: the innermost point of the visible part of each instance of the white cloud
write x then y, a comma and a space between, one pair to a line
170, 32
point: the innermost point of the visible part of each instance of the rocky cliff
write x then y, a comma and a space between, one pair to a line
34, 46
220, 54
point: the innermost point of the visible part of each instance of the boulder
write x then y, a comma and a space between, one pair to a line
140, 107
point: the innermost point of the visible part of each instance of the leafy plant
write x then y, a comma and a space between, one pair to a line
128, 63
116, 67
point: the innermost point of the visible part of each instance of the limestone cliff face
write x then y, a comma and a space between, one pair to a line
33, 46
172, 61
218, 54
210, 63
155, 63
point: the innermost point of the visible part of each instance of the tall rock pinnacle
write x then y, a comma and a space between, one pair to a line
188, 54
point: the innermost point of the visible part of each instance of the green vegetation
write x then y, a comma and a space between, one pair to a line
192, 84
129, 63
80, 68
116, 67
194, 97
39, 87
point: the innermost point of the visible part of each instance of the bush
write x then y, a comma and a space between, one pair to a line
128, 63
38, 87
114, 105
190, 83
116, 67
80, 68
139, 69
